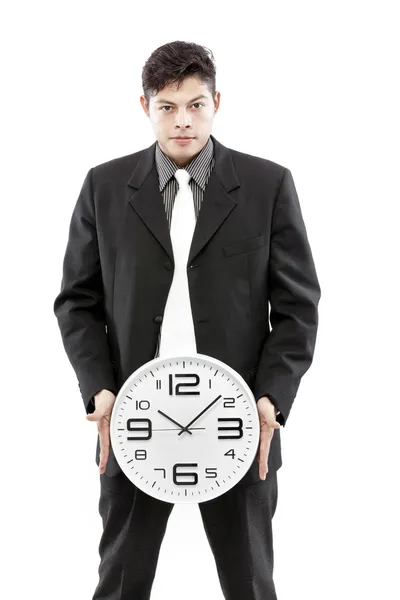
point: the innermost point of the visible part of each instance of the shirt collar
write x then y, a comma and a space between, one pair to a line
197, 168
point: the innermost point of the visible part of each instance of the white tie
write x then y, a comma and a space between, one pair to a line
177, 331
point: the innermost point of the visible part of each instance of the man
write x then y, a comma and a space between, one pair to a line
250, 249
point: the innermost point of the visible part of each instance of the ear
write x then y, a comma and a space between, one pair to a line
144, 105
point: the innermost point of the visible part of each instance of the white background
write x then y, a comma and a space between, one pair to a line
310, 85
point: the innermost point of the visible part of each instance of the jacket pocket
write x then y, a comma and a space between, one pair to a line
244, 246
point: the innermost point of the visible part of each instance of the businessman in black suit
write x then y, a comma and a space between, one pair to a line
249, 249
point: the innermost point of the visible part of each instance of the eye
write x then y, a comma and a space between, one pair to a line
168, 106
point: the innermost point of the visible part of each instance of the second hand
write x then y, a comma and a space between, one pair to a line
175, 428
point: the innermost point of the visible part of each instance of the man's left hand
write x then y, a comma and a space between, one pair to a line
267, 413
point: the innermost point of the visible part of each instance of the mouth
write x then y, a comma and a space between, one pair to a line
182, 140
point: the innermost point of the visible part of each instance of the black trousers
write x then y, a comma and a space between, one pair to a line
238, 527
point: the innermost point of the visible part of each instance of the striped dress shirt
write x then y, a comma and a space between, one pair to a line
199, 168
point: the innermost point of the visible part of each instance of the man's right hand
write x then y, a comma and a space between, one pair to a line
104, 402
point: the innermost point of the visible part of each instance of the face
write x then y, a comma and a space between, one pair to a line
189, 112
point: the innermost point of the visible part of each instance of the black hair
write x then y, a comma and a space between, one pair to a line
174, 61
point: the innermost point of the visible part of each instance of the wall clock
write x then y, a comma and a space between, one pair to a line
185, 429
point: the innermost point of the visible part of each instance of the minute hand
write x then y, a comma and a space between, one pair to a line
202, 413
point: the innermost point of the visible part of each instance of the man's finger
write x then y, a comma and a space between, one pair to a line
103, 461
103, 428
263, 466
104, 453
265, 444
96, 415
104, 434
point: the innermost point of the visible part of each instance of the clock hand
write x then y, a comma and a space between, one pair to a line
199, 415
173, 428
176, 422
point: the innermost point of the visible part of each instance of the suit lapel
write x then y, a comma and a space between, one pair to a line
217, 203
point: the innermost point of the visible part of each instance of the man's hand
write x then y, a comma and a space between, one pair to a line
104, 402
267, 413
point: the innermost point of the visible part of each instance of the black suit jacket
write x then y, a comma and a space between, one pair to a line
249, 249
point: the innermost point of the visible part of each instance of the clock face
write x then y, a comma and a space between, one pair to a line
185, 429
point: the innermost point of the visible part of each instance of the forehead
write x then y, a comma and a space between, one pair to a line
191, 89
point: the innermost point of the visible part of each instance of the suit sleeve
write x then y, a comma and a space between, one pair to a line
294, 294
79, 306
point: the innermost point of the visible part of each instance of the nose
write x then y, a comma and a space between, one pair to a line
182, 118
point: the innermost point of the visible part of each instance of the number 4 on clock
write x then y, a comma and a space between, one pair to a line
231, 453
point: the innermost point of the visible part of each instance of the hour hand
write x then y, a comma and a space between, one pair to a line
176, 423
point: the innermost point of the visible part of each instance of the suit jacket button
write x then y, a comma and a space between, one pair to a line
158, 319
167, 265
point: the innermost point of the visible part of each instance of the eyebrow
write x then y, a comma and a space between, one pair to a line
161, 100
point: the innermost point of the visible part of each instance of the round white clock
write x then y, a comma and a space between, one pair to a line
185, 429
